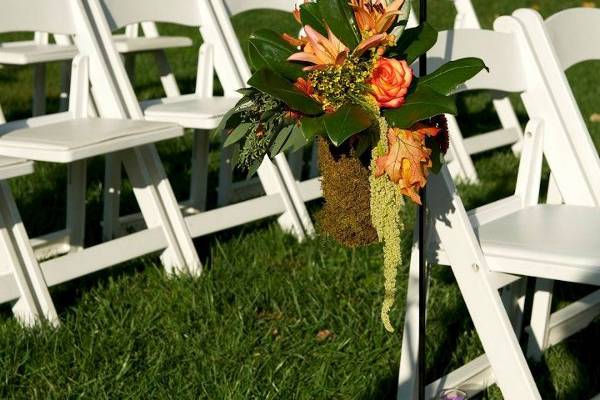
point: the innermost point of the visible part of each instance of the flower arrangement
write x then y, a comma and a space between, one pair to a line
347, 80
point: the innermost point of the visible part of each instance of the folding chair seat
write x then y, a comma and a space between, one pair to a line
73, 137
203, 111
191, 111
496, 245
558, 242
82, 138
27, 53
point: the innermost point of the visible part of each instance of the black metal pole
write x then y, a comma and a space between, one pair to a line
422, 260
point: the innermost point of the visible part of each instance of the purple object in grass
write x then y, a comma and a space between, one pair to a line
454, 395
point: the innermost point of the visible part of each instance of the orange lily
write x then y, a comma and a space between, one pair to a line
320, 50
375, 18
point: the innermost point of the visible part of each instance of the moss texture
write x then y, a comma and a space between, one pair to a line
346, 215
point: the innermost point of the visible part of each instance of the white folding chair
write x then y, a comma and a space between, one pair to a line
565, 39
71, 138
202, 111
497, 244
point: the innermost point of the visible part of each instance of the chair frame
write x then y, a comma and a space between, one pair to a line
504, 362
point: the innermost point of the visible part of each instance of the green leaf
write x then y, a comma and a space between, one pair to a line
270, 82
237, 134
268, 50
424, 103
296, 141
340, 18
415, 42
280, 140
450, 76
347, 121
310, 14
312, 127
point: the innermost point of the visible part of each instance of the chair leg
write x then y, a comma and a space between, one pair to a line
76, 199
407, 377
508, 119
166, 74
540, 318
39, 89
199, 184
225, 175
461, 166
112, 197
160, 209
288, 187
35, 301
513, 297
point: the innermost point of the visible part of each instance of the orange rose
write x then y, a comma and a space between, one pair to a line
390, 82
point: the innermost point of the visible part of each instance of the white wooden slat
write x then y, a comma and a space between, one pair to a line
121, 13
472, 378
102, 256
573, 318
491, 140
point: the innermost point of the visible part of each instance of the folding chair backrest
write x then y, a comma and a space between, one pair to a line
120, 13
575, 35
194, 13
239, 6
34, 15
552, 61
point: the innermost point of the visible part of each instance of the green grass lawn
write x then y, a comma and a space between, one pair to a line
270, 318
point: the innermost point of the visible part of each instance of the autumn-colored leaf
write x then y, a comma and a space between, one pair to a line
324, 334
407, 162
595, 117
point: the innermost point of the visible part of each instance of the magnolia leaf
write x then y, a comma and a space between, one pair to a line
450, 76
280, 140
340, 18
296, 141
270, 82
347, 121
267, 49
310, 14
424, 103
415, 42
237, 134
312, 127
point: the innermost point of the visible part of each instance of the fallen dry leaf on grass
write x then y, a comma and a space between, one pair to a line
595, 117
589, 4
324, 335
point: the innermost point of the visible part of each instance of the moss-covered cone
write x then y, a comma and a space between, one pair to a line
346, 215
